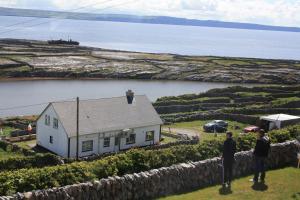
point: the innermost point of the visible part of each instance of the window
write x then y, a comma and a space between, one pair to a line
130, 139
149, 135
87, 145
51, 139
106, 142
55, 123
47, 120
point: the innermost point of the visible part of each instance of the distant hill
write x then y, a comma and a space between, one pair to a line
140, 19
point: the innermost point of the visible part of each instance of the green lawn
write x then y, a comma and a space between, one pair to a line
168, 139
27, 144
8, 154
280, 184
6, 130
198, 127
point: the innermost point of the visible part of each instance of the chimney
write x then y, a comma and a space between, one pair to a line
129, 96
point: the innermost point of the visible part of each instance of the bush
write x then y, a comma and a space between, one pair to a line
132, 161
281, 135
38, 160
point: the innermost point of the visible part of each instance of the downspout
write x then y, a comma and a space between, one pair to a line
68, 147
77, 129
160, 133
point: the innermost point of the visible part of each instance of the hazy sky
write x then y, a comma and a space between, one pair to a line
273, 12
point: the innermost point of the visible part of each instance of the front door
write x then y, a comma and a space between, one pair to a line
117, 143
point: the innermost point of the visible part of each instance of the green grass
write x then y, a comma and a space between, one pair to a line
168, 139
8, 154
262, 63
26, 144
250, 94
282, 101
280, 184
229, 62
6, 130
198, 126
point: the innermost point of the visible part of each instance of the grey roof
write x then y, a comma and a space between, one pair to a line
109, 114
279, 117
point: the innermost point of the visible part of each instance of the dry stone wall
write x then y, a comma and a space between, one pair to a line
166, 180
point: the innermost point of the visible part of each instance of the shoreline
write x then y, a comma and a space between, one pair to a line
13, 79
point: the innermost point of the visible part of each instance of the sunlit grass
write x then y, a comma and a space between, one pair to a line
280, 184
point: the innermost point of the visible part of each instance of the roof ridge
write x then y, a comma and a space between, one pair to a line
96, 99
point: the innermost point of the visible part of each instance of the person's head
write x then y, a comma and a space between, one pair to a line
261, 133
228, 134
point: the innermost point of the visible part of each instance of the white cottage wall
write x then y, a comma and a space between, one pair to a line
98, 141
140, 139
43, 132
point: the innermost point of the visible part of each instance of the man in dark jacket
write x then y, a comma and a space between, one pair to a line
229, 148
261, 152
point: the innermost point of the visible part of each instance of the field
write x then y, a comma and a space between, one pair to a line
38, 59
196, 128
280, 184
240, 104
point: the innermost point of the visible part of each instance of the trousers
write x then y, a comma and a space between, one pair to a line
259, 168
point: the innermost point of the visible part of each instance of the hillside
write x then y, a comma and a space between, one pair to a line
37, 59
139, 19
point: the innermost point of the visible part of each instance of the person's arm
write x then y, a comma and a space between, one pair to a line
234, 147
256, 148
223, 150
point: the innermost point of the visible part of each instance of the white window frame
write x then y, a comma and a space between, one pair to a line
130, 139
87, 146
149, 136
107, 140
55, 123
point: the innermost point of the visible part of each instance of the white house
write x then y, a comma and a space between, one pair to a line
277, 121
104, 125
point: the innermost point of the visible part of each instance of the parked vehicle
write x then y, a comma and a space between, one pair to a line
250, 129
221, 123
218, 126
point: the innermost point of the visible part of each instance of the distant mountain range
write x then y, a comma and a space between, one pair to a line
140, 19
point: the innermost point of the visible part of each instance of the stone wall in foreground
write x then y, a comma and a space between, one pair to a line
166, 180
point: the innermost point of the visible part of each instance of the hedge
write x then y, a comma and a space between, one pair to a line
132, 161
7, 146
38, 160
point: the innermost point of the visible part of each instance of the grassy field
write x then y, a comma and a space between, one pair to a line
197, 126
280, 184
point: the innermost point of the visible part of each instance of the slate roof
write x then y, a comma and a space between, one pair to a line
107, 114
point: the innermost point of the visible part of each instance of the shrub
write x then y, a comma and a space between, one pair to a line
285, 134
38, 160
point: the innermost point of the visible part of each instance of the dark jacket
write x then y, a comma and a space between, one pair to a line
229, 148
262, 147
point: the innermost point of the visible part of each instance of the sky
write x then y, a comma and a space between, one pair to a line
269, 12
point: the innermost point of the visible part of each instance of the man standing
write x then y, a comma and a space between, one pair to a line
229, 148
261, 152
